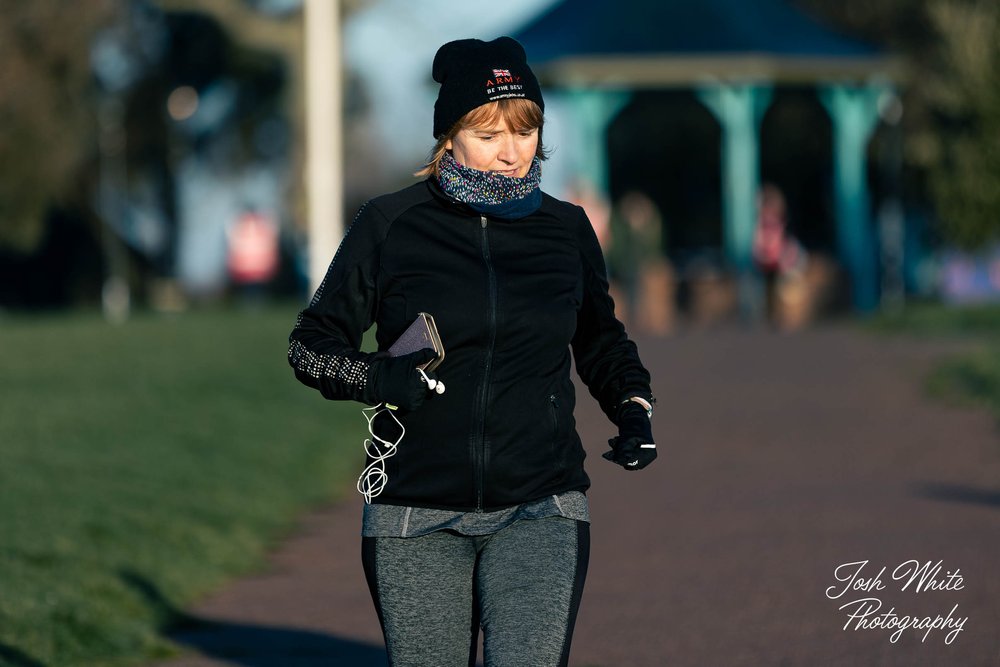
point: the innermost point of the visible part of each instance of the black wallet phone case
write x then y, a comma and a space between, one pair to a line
421, 334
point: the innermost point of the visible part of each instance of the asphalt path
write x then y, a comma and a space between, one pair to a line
803, 480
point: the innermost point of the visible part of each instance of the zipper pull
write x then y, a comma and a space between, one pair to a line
482, 221
554, 400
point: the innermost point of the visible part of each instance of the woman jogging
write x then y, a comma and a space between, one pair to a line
477, 516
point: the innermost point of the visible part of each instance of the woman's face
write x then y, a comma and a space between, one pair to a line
495, 148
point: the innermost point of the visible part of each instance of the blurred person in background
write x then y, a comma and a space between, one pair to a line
777, 253
482, 521
252, 254
637, 265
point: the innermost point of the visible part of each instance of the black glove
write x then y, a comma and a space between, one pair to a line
634, 431
396, 381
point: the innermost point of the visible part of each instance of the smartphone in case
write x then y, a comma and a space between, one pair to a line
421, 334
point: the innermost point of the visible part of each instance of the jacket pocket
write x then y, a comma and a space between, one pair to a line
554, 419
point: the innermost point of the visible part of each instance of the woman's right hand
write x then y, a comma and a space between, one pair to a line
396, 380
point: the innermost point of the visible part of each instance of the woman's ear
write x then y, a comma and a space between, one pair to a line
447, 145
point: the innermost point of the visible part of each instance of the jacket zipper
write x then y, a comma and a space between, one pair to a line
479, 448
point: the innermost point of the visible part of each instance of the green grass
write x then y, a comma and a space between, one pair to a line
141, 466
938, 319
971, 378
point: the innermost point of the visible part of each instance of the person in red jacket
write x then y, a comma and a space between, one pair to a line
477, 517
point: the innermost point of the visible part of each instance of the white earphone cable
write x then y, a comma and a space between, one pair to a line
373, 478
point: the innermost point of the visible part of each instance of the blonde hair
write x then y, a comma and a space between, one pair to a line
517, 113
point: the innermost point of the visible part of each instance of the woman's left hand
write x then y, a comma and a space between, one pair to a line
633, 448
631, 454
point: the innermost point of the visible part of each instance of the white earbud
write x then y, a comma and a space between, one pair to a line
432, 384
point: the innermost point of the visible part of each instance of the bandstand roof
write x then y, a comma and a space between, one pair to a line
638, 43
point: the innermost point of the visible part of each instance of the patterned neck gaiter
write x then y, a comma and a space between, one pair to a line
492, 193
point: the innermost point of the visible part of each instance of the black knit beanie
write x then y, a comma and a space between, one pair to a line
473, 72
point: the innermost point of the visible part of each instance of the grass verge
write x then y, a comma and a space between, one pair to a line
143, 465
971, 378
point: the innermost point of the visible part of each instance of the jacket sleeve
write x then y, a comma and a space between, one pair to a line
324, 346
607, 361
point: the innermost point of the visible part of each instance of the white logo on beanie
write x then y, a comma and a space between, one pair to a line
504, 84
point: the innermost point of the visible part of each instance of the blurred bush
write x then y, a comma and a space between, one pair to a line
46, 124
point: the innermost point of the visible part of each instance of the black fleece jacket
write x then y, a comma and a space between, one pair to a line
510, 298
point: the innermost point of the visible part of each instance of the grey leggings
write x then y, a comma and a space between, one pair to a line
522, 585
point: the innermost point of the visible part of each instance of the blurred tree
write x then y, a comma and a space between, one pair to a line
966, 92
46, 123
275, 26
951, 100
